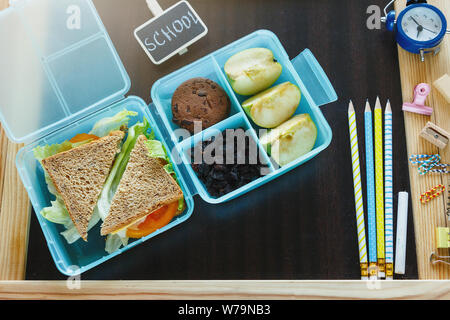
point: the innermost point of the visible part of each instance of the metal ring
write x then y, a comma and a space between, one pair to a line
388, 5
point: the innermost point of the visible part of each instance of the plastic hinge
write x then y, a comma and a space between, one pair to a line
314, 78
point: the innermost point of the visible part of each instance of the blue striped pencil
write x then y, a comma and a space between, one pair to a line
357, 187
389, 189
370, 175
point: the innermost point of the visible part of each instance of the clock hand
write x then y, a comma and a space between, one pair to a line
429, 30
415, 21
422, 27
419, 30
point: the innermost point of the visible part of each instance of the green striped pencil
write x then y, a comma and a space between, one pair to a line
357, 186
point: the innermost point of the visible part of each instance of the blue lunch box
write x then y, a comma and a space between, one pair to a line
62, 81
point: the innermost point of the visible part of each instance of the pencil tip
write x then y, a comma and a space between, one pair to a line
367, 106
350, 106
388, 106
378, 103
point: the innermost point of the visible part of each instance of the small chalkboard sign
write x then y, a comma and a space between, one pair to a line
170, 32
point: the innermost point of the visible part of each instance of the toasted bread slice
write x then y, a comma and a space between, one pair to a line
79, 175
145, 186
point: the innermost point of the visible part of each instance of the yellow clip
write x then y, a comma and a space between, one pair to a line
442, 238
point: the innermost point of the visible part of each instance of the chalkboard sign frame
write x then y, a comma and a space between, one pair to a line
181, 48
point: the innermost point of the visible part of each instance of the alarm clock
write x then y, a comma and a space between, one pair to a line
419, 28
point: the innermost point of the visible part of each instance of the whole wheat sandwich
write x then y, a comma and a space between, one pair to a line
79, 175
118, 174
144, 188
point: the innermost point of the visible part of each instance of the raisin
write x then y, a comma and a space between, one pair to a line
220, 179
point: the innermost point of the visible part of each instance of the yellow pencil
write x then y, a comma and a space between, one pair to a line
379, 187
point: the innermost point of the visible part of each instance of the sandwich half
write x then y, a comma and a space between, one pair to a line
79, 175
144, 188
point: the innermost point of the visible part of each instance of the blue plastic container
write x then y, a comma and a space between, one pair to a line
77, 78
303, 70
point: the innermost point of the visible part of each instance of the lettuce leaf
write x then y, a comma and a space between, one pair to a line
156, 149
106, 125
71, 234
57, 213
114, 242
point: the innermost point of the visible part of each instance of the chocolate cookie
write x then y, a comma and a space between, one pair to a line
199, 99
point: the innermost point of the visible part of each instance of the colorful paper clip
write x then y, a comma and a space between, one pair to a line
429, 163
421, 92
432, 193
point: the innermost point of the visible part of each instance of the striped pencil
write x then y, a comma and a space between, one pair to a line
388, 193
373, 271
357, 186
379, 188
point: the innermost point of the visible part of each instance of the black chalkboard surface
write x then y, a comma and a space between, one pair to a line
175, 29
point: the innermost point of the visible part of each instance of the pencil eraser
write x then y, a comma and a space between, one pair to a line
443, 86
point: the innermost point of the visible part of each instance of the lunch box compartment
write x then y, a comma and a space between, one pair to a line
268, 40
74, 77
315, 87
235, 122
81, 256
163, 92
72, 67
59, 16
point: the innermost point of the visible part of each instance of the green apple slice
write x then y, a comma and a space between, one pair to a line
252, 70
291, 140
273, 106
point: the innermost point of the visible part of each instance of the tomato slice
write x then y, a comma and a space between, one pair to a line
154, 221
83, 137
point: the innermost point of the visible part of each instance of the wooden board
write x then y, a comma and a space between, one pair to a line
15, 210
14, 216
225, 290
426, 217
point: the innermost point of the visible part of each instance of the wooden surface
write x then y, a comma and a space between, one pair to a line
14, 215
426, 217
14, 210
225, 290
299, 226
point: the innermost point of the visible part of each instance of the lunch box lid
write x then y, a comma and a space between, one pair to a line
57, 65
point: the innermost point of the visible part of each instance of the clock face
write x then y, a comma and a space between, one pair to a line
421, 24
